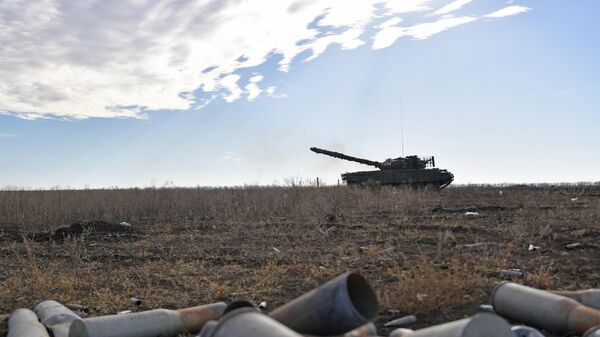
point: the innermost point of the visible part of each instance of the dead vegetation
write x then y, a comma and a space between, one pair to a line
191, 246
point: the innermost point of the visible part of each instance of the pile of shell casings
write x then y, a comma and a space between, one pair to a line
572, 313
345, 306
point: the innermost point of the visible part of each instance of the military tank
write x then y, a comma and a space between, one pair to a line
402, 171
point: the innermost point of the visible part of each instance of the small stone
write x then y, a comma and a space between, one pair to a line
421, 297
511, 273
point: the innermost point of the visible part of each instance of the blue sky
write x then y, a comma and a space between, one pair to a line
504, 98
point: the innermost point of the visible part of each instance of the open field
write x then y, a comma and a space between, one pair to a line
191, 246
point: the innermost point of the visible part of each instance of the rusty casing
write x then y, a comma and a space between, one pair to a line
479, 325
588, 297
158, 322
338, 306
151, 323
195, 317
24, 323
541, 308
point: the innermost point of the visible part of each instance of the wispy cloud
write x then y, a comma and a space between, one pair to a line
507, 11
81, 59
252, 87
388, 35
451, 7
390, 31
229, 156
7, 135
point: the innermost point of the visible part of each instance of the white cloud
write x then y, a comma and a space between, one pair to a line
390, 22
7, 135
271, 92
233, 91
81, 59
507, 11
347, 40
388, 35
256, 78
405, 6
252, 88
426, 30
253, 91
451, 7
203, 102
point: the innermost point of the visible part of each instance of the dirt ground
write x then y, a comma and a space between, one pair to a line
185, 247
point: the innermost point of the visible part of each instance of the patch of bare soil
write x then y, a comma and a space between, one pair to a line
92, 230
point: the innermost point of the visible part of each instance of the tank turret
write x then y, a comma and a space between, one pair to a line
411, 170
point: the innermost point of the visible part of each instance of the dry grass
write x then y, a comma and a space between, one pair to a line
191, 246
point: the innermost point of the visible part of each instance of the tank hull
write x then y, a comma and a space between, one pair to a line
417, 178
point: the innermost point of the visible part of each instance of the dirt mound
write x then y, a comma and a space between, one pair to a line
93, 230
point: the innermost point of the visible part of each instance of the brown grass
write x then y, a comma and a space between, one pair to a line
191, 246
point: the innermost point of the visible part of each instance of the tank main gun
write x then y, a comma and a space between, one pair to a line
409, 162
346, 157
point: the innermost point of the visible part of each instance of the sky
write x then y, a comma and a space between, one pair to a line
225, 93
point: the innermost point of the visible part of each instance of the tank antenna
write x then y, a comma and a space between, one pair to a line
401, 125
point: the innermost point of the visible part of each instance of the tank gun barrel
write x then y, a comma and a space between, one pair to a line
345, 157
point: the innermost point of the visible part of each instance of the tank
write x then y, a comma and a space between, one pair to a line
402, 171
